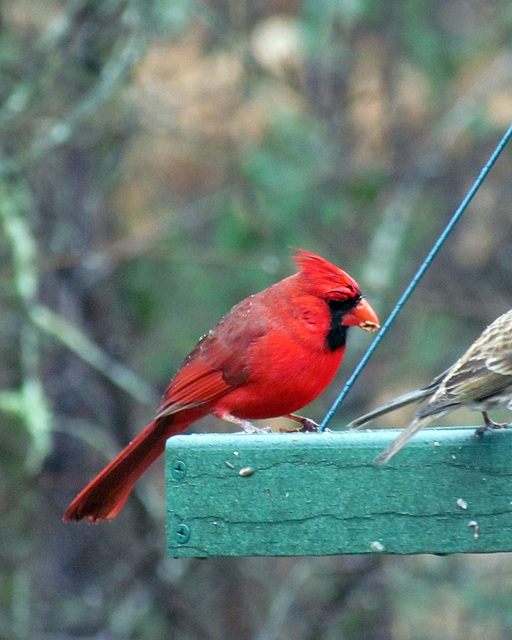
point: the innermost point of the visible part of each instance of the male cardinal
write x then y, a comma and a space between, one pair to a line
480, 380
272, 354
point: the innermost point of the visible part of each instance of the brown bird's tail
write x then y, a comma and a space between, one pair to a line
103, 498
398, 443
397, 403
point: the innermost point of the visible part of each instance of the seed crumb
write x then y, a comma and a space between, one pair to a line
476, 529
246, 471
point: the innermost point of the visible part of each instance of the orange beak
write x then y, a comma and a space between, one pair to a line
363, 316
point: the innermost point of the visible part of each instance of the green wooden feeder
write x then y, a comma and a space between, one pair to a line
448, 491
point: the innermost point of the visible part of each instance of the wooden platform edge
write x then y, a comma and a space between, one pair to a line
448, 491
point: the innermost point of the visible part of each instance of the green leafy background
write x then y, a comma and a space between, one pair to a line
158, 162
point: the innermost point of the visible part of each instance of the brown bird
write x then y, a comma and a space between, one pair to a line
480, 380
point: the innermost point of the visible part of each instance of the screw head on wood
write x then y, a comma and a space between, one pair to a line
181, 533
178, 470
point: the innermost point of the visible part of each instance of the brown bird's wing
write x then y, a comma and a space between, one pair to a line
481, 378
218, 363
484, 371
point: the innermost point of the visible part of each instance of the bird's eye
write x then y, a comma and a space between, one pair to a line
344, 305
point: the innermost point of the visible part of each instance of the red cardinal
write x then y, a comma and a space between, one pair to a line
272, 354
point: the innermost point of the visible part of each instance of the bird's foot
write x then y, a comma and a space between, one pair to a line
308, 425
490, 424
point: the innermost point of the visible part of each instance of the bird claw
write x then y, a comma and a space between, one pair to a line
308, 426
490, 424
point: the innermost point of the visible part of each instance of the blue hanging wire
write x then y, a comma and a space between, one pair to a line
421, 271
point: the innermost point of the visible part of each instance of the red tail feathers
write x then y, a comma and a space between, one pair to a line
103, 498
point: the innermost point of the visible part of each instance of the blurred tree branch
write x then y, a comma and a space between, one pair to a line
75, 340
20, 109
48, 135
431, 160
30, 402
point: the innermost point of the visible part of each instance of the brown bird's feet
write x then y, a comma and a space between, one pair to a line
308, 425
490, 424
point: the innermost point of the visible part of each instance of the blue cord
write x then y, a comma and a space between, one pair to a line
421, 271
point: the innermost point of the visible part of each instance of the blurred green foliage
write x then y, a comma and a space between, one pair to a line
158, 161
